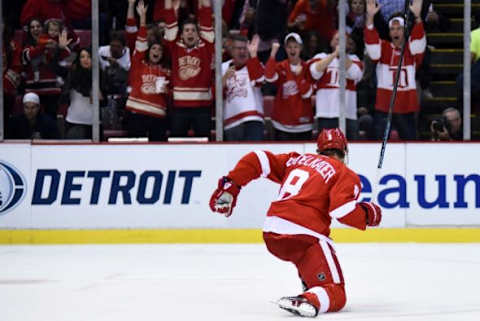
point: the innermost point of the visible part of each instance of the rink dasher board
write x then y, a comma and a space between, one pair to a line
231, 236
70, 192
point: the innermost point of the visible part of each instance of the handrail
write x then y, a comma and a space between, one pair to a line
95, 73
342, 122
2, 109
218, 73
467, 13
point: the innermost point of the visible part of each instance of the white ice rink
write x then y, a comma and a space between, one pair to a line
402, 282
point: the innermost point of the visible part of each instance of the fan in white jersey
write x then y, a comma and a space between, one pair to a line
386, 55
325, 69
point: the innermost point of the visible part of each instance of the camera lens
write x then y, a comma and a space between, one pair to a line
438, 125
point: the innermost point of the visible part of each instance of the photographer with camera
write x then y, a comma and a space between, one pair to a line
449, 127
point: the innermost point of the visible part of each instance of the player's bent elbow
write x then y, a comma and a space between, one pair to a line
356, 219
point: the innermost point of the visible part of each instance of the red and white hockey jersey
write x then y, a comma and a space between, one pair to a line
243, 99
387, 57
144, 98
192, 71
292, 109
314, 189
327, 86
46, 82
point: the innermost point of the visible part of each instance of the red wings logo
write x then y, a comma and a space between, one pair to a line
189, 67
236, 87
148, 84
290, 88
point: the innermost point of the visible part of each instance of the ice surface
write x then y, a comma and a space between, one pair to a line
402, 282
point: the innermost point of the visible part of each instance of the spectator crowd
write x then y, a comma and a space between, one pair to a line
280, 69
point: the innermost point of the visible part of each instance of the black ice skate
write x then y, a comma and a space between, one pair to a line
298, 305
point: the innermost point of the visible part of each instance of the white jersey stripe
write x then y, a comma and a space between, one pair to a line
343, 210
273, 79
308, 93
314, 72
171, 32
279, 225
192, 96
264, 162
242, 120
292, 128
418, 46
331, 263
374, 50
141, 45
131, 29
145, 107
322, 297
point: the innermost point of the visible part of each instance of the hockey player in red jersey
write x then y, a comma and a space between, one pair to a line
314, 188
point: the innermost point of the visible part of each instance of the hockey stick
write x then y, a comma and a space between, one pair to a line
388, 126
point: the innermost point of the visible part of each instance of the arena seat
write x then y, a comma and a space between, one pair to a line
268, 105
110, 133
18, 36
85, 37
268, 102
18, 106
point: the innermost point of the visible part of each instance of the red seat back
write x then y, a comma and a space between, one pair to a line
85, 37
268, 105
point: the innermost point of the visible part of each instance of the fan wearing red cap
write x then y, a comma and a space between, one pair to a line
314, 190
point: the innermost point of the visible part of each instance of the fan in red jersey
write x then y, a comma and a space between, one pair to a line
149, 78
191, 49
292, 116
314, 189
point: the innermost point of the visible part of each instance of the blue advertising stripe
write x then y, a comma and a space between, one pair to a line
129, 236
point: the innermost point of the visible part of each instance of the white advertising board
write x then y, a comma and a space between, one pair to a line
443, 184
168, 186
15, 179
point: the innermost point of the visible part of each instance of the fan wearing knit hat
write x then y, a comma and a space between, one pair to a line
33, 123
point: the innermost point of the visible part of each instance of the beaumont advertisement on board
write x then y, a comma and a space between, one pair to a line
168, 186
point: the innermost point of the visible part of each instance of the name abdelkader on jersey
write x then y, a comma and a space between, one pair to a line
324, 168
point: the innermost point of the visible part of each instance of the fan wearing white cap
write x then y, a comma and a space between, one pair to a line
292, 115
33, 123
387, 55
31, 106
325, 69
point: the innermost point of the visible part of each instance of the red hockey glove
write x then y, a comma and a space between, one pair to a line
373, 213
224, 198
